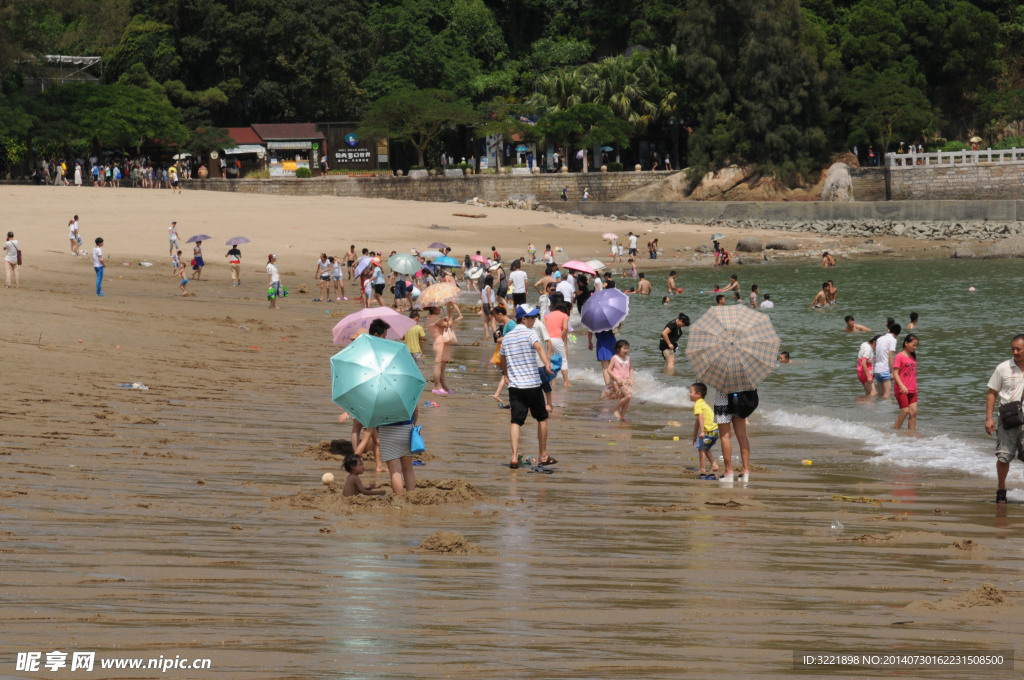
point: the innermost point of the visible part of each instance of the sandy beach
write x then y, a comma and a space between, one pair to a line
189, 519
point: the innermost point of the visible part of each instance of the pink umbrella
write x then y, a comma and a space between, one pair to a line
345, 329
578, 266
478, 258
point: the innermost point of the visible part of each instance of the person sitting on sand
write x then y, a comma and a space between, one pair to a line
353, 484
643, 286
705, 432
854, 327
821, 299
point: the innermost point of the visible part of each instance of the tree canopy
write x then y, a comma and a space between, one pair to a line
778, 83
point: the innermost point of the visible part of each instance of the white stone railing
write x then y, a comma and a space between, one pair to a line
950, 158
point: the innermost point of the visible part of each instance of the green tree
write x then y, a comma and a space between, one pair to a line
585, 126
416, 116
888, 106
501, 117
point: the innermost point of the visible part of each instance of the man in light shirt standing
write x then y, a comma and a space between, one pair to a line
519, 281
1007, 382
885, 348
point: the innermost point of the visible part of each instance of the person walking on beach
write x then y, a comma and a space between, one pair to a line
73, 235
519, 351
865, 366
618, 379
337, 279
179, 271
885, 348
669, 341
632, 244
557, 322
732, 411
12, 261
519, 281
1007, 383
904, 374
197, 258
705, 433
98, 265
488, 302
437, 326
274, 281
322, 273
234, 256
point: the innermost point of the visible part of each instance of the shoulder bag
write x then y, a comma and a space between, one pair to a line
1011, 415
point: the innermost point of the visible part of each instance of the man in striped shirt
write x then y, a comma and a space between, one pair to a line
519, 351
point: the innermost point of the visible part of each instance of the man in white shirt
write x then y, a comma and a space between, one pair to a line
767, 304
1007, 382
98, 265
73, 235
172, 234
632, 243
885, 348
567, 287
274, 280
518, 280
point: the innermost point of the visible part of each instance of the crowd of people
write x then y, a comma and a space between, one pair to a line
137, 173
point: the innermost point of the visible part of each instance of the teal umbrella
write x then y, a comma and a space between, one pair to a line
376, 380
404, 263
445, 261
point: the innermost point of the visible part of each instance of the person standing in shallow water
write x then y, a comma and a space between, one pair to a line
1007, 383
904, 377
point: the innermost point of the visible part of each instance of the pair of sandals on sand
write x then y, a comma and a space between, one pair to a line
540, 467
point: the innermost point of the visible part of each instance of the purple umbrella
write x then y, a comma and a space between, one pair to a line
364, 262
439, 246
237, 241
199, 237
604, 310
349, 326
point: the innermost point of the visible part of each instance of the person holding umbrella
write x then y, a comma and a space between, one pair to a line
519, 351
234, 256
197, 260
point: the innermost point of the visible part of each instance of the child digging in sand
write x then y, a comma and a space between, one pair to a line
353, 484
705, 431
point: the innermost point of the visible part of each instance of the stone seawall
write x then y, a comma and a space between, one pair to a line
981, 181
544, 188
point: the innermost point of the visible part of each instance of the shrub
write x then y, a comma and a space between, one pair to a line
1009, 143
258, 174
955, 146
417, 167
615, 167
303, 173
462, 166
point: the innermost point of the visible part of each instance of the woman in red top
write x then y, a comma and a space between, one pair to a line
904, 374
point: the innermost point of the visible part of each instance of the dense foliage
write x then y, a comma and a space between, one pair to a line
778, 83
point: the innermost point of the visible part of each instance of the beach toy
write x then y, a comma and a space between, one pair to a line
675, 439
806, 462
328, 478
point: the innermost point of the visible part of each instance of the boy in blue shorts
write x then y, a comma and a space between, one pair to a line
705, 431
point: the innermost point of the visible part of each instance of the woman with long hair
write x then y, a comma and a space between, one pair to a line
904, 375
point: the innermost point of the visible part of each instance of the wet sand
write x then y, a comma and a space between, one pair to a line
161, 521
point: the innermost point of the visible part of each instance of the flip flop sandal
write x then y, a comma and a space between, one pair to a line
513, 466
711, 477
702, 476
549, 461
1000, 495
417, 463
541, 469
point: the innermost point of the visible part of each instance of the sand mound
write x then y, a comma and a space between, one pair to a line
447, 543
327, 450
427, 492
987, 595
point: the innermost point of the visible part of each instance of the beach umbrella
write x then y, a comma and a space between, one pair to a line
376, 380
404, 263
607, 148
604, 310
580, 153
479, 258
577, 266
596, 264
475, 273
439, 246
609, 236
199, 237
522, 147
237, 241
181, 157
717, 237
439, 294
445, 261
363, 263
976, 140
361, 320
431, 254
733, 348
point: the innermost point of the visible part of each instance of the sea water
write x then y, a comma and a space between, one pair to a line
963, 336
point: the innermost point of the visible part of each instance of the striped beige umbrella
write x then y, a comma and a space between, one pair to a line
733, 348
439, 294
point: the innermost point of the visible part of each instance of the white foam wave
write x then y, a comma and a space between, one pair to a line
933, 452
